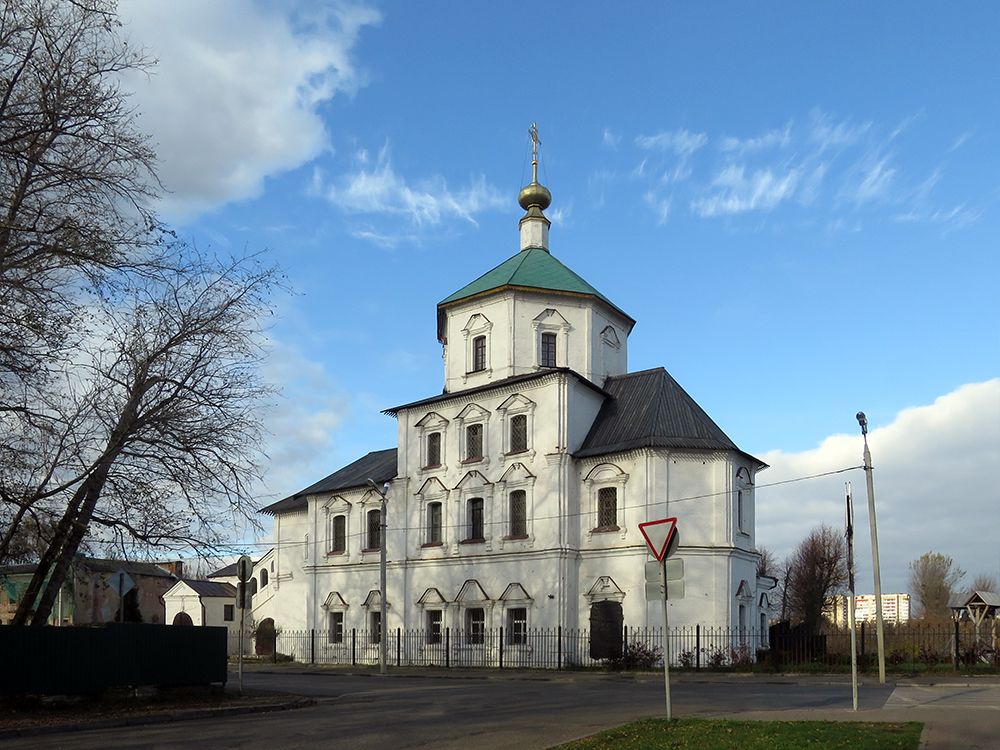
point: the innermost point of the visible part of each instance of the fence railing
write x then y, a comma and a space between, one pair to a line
695, 647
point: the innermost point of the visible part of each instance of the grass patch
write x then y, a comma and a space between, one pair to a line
718, 734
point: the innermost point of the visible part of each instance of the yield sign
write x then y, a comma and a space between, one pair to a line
657, 534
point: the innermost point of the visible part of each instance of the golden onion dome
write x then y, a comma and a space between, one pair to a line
534, 194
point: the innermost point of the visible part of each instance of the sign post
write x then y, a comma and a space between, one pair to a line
662, 539
244, 569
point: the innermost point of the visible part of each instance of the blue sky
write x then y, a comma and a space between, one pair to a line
798, 203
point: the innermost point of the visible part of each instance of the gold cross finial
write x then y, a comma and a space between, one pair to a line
535, 142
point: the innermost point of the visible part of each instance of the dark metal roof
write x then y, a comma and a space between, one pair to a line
648, 409
226, 572
513, 380
211, 588
377, 465
99, 565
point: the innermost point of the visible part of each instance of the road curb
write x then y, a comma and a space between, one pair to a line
161, 717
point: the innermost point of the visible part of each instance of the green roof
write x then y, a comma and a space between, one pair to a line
533, 268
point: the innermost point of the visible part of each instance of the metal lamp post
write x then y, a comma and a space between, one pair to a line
879, 622
382, 641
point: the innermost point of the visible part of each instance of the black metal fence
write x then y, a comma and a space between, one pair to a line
695, 647
81, 660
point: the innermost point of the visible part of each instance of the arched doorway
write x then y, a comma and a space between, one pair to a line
265, 637
182, 618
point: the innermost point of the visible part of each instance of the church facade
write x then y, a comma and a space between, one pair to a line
515, 496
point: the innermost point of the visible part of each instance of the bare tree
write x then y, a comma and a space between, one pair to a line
767, 563
985, 582
933, 578
170, 399
76, 175
817, 570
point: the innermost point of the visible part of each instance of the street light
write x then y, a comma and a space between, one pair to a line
382, 642
879, 622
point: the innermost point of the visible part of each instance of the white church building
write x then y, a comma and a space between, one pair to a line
515, 495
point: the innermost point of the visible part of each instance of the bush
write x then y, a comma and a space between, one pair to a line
637, 655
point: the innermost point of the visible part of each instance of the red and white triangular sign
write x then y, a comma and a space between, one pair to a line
657, 534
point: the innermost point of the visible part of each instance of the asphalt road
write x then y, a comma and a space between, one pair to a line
453, 712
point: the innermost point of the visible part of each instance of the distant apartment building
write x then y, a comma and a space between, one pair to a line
895, 608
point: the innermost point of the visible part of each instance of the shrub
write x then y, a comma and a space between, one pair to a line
637, 655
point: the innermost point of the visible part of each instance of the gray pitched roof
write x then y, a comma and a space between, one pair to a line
377, 465
648, 409
211, 588
226, 572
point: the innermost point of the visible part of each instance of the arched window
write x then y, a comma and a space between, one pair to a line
263, 578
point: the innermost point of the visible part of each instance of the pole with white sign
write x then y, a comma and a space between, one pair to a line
662, 538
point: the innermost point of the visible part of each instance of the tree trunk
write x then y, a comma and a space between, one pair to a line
90, 493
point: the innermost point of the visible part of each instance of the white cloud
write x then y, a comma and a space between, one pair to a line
377, 189
771, 139
828, 134
680, 142
234, 96
303, 423
735, 192
875, 181
610, 139
935, 487
661, 206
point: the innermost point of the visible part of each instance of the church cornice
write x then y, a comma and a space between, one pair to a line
506, 386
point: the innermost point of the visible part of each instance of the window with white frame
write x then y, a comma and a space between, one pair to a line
335, 621
517, 626
518, 514
477, 344
551, 330
434, 619
475, 625
229, 612
516, 415
433, 536
374, 536
338, 534
607, 509
475, 520
605, 485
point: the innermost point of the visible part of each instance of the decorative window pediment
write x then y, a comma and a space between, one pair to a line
471, 592
478, 323
473, 480
764, 602
473, 413
432, 597
743, 591
605, 472
334, 602
433, 488
610, 337
605, 589
337, 504
517, 472
432, 420
551, 318
374, 600
515, 593
517, 402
